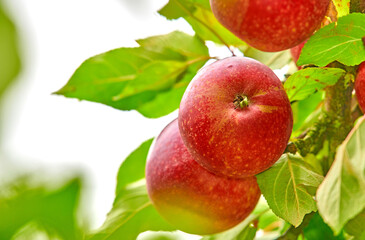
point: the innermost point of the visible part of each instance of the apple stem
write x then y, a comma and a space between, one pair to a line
241, 101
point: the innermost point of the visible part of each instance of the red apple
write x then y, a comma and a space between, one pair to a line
271, 25
360, 86
188, 196
235, 117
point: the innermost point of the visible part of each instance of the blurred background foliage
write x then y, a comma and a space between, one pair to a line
32, 205
9, 52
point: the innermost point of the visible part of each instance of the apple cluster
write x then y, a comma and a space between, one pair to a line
234, 122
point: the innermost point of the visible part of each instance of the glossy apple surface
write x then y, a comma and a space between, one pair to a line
235, 117
360, 86
188, 196
271, 25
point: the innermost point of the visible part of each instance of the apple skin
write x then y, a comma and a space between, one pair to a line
270, 25
223, 137
188, 196
360, 86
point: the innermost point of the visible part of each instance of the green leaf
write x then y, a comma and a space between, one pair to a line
202, 3
173, 11
305, 82
199, 15
248, 233
9, 53
287, 187
165, 102
54, 210
157, 75
143, 78
339, 41
133, 167
304, 109
318, 230
267, 218
33, 230
132, 213
274, 60
176, 42
355, 226
314, 162
341, 196
342, 7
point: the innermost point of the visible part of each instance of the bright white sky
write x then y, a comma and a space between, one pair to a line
60, 135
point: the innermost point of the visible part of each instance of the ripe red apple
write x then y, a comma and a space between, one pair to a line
190, 197
271, 25
360, 86
235, 117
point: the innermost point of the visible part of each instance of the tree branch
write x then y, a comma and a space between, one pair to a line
313, 138
334, 123
338, 107
357, 6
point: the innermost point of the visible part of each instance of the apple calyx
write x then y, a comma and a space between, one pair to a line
241, 101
